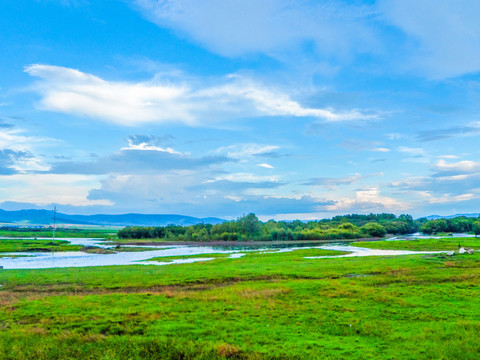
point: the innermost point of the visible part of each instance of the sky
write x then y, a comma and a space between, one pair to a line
288, 109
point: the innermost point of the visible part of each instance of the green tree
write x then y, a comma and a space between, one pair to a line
374, 229
434, 226
476, 227
249, 225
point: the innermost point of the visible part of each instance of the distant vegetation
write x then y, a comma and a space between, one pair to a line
353, 226
248, 227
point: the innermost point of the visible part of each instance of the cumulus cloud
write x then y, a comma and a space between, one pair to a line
369, 199
159, 101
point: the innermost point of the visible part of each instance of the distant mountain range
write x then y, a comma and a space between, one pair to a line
45, 217
435, 217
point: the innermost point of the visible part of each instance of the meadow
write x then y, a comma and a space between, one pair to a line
260, 306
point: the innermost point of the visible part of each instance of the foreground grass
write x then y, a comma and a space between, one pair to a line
422, 244
261, 306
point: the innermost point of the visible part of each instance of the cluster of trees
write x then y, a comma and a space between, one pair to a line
354, 226
248, 227
459, 224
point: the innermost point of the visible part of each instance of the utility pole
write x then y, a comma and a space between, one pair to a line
54, 223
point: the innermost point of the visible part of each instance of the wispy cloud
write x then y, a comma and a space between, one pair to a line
233, 28
448, 38
334, 182
243, 151
471, 129
380, 149
158, 101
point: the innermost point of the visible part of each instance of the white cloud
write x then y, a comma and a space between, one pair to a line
132, 103
266, 166
465, 166
74, 92
274, 103
146, 146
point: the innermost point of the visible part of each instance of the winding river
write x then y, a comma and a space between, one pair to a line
42, 260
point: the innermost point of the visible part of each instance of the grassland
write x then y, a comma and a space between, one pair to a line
260, 306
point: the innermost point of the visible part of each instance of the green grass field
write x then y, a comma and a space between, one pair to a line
260, 306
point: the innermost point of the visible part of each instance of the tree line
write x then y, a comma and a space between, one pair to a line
353, 226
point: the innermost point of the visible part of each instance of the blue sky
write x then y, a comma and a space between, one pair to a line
289, 109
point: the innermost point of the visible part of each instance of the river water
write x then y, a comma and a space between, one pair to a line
43, 260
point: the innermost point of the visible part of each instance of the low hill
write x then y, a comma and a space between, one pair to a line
436, 217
